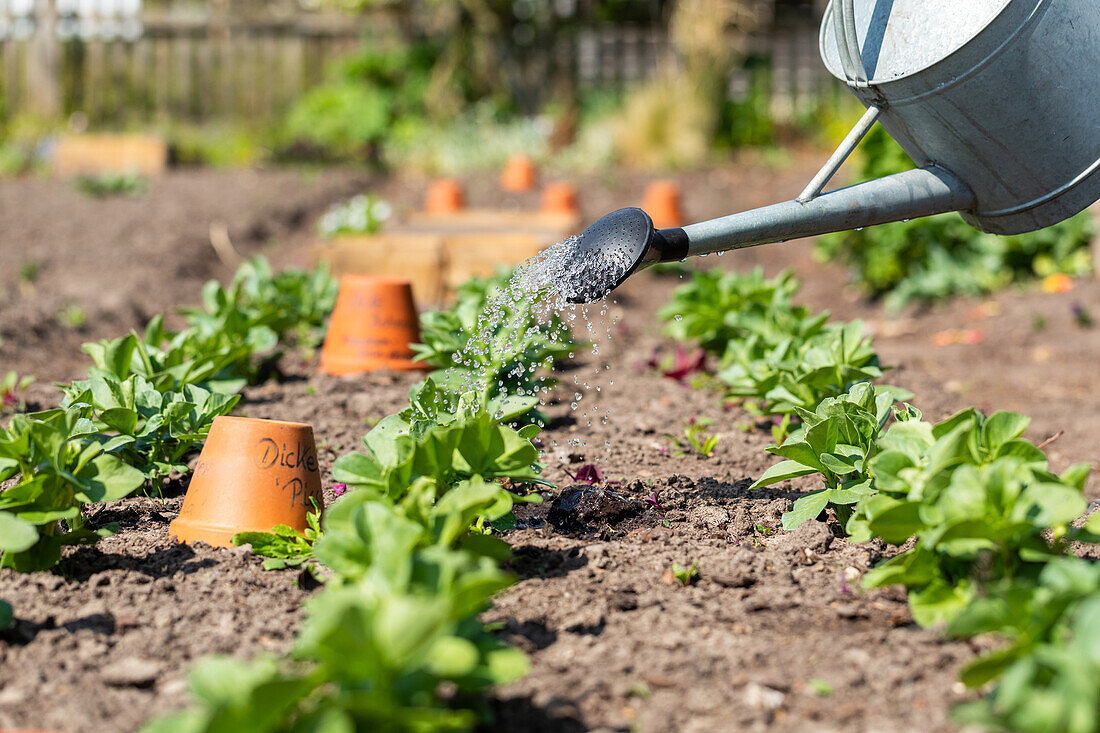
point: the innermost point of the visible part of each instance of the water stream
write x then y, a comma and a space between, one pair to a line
544, 287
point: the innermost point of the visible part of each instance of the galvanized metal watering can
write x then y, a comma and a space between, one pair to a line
998, 102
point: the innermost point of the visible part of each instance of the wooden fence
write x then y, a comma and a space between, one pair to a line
216, 69
175, 70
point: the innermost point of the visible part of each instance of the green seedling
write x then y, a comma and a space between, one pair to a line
775, 357
837, 441
1049, 668
284, 547
718, 307
695, 438
821, 687
798, 373
376, 646
782, 430
234, 338
112, 184
363, 214
499, 357
72, 316
686, 576
29, 271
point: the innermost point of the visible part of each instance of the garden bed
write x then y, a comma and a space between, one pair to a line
776, 631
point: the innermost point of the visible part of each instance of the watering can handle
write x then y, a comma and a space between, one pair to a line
847, 41
844, 25
832, 165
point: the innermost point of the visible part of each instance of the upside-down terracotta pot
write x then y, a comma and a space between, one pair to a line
519, 174
445, 196
662, 203
252, 475
560, 198
372, 325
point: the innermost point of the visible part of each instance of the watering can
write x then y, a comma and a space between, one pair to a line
997, 101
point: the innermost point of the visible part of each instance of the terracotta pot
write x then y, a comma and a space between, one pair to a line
560, 198
252, 474
372, 325
662, 203
445, 196
519, 174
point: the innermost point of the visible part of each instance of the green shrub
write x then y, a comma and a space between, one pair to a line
353, 114
342, 119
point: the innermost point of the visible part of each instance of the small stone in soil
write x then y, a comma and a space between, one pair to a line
131, 672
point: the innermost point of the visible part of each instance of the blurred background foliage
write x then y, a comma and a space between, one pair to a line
439, 85
942, 256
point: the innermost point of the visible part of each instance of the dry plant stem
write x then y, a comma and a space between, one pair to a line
223, 245
1050, 440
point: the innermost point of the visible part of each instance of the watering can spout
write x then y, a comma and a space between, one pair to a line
922, 192
625, 241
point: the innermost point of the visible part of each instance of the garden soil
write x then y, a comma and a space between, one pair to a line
774, 633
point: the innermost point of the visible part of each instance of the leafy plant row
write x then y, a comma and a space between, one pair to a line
775, 357
987, 530
393, 641
147, 403
987, 527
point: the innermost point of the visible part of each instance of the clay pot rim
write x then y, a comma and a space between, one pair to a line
265, 421
375, 279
